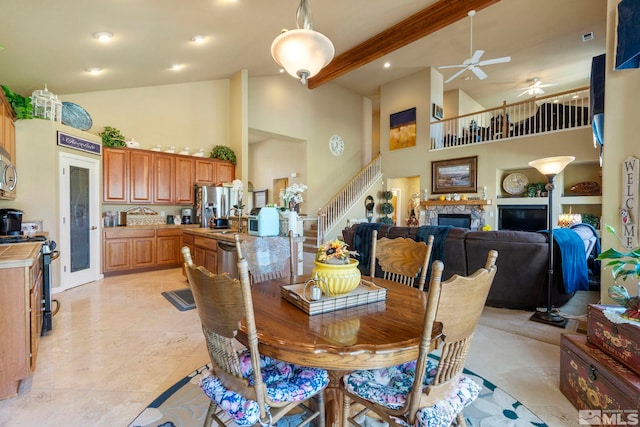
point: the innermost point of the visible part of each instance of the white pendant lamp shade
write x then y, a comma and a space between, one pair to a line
302, 53
551, 165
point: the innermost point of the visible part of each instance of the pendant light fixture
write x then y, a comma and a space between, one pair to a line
302, 52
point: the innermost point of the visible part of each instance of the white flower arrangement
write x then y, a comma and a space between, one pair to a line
238, 186
293, 194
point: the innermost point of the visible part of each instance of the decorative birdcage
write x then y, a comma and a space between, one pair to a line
46, 105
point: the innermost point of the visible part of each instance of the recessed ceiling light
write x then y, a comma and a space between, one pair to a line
103, 36
387, 65
175, 67
282, 70
198, 39
467, 78
94, 70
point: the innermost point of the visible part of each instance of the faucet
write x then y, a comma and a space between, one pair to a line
238, 212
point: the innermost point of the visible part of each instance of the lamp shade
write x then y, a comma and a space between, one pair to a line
551, 165
302, 52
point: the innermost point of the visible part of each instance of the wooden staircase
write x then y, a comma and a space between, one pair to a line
310, 244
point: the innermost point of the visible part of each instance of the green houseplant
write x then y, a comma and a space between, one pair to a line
386, 208
223, 153
21, 105
111, 137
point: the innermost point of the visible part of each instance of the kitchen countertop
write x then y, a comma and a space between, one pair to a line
19, 255
227, 235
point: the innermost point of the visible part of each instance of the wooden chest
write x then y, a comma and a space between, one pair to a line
591, 379
620, 341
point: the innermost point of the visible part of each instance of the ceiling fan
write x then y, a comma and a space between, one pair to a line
473, 63
535, 88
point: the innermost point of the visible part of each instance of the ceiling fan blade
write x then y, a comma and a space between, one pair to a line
451, 66
450, 79
524, 93
495, 60
479, 73
476, 57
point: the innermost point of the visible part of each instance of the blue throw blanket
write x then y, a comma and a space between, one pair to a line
439, 235
573, 259
362, 242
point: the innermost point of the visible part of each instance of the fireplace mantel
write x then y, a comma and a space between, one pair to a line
479, 203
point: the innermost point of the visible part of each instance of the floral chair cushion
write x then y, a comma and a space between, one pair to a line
285, 382
389, 387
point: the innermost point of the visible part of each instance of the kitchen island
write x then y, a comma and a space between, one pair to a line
20, 313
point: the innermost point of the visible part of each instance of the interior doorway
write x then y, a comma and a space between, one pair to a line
279, 186
80, 215
405, 190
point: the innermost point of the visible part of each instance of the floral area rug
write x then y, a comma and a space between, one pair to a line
185, 405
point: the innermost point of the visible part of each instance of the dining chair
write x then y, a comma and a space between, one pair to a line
428, 392
268, 257
244, 386
401, 260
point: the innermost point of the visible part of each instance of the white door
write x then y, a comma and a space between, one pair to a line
80, 220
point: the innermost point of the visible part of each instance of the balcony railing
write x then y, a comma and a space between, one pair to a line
565, 110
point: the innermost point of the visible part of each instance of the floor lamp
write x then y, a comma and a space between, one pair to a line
550, 167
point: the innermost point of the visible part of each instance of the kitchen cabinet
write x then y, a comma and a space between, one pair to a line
168, 246
205, 253
115, 175
184, 180
127, 249
139, 176
7, 138
214, 172
20, 315
164, 168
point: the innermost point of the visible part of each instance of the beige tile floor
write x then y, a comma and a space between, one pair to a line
117, 343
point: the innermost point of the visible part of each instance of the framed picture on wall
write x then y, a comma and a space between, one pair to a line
437, 112
454, 175
402, 129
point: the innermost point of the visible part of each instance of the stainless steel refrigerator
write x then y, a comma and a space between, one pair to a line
214, 202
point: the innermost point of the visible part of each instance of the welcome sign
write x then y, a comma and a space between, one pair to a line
629, 208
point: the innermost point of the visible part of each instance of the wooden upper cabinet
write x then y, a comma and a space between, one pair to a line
185, 175
225, 172
141, 178
205, 172
115, 175
164, 168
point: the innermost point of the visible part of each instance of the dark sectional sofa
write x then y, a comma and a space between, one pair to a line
522, 262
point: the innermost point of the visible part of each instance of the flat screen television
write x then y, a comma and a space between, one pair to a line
522, 217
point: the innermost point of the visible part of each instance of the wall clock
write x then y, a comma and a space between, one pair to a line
336, 145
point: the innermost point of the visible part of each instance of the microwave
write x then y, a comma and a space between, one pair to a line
8, 176
266, 223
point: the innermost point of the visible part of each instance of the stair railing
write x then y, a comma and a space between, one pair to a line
343, 200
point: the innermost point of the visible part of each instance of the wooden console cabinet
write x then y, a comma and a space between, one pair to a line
20, 314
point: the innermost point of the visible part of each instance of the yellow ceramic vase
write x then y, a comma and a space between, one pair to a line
339, 279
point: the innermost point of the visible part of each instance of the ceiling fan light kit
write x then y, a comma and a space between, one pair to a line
473, 63
302, 52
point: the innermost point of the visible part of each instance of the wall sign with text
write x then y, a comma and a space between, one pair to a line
70, 141
629, 208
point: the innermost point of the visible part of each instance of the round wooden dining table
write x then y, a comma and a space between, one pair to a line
373, 335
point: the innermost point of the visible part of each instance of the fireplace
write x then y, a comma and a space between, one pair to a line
455, 220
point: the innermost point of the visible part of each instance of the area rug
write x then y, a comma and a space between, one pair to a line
185, 405
182, 299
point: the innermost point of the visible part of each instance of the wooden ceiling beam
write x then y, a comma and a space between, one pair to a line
429, 20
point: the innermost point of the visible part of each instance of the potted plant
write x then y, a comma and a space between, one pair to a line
335, 270
386, 208
21, 105
223, 153
623, 265
111, 137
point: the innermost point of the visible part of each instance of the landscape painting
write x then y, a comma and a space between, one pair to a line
454, 176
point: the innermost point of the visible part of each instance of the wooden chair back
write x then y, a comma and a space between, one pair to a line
268, 257
456, 304
223, 303
401, 260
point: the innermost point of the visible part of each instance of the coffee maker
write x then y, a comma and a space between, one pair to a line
10, 222
186, 215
